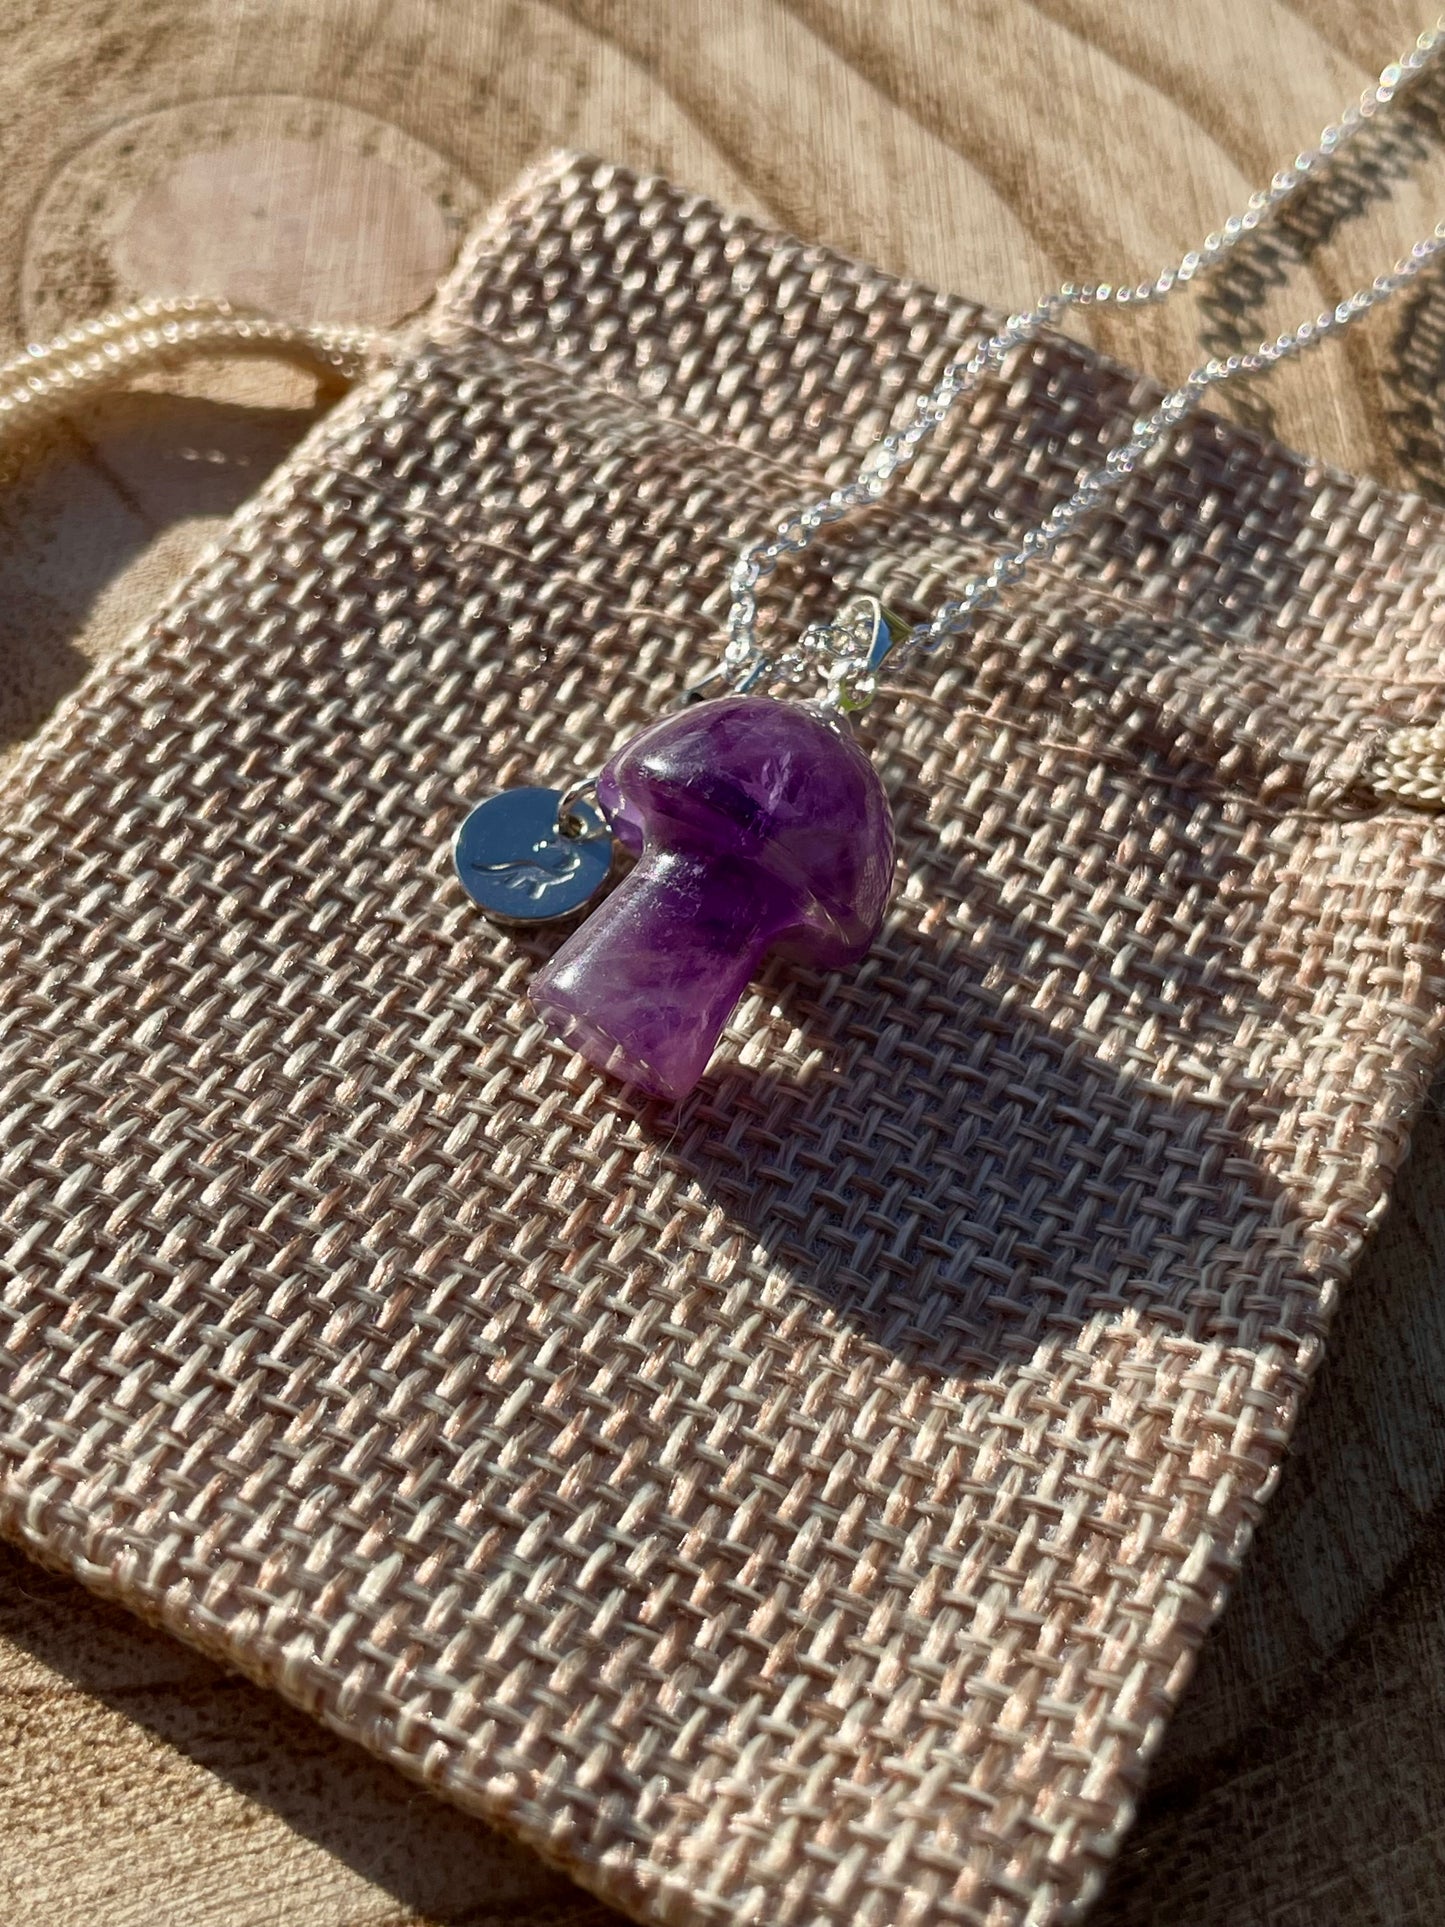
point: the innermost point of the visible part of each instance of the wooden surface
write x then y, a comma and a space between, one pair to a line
324, 156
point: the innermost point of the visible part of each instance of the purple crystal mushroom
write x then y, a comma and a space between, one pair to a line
758, 825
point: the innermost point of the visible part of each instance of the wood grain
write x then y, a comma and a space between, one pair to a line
324, 155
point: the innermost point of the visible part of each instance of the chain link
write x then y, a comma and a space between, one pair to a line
848, 652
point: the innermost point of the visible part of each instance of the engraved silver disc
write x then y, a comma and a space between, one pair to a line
515, 862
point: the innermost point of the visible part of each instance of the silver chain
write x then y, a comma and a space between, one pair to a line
847, 652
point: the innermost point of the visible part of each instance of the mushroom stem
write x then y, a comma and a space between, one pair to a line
645, 986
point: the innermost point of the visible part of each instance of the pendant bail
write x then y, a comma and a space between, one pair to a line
861, 637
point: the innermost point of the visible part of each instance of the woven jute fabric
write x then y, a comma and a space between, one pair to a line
798, 1506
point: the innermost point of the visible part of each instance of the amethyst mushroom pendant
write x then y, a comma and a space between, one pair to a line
758, 826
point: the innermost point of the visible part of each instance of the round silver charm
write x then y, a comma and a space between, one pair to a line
520, 867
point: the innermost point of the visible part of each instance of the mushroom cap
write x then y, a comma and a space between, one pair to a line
766, 786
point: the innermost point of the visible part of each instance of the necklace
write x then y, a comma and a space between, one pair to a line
756, 823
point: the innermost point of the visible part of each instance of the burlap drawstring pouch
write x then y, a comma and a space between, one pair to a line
800, 1505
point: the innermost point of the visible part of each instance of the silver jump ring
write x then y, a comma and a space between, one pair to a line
569, 824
